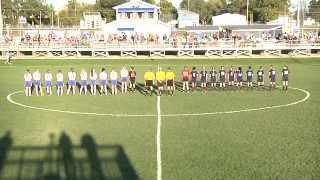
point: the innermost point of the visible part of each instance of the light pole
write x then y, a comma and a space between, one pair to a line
51, 18
32, 18
40, 16
248, 11
1, 20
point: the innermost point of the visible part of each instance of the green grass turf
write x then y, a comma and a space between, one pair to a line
272, 144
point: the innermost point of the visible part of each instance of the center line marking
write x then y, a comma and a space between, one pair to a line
159, 169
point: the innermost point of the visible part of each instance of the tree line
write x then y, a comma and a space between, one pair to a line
259, 10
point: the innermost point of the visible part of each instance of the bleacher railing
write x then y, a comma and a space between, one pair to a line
223, 44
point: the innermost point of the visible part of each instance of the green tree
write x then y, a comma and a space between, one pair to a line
314, 10
33, 10
168, 11
205, 9
261, 10
7, 11
28, 8
105, 8
150, 1
73, 12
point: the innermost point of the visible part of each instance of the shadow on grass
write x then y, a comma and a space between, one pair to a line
62, 160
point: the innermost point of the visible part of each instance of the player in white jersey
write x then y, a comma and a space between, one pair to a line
37, 82
103, 76
84, 81
93, 79
9, 57
114, 81
48, 78
59, 77
124, 79
27, 82
72, 75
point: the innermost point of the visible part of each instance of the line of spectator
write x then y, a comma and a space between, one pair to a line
74, 38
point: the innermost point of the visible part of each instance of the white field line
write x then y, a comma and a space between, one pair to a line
248, 110
307, 93
159, 166
73, 112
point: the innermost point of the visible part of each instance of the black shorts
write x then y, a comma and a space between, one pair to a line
160, 83
132, 80
170, 83
149, 83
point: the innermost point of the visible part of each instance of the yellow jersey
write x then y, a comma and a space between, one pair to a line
170, 75
149, 76
161, 76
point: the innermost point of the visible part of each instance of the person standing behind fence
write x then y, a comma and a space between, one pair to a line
27, 82
114, 82
93, 79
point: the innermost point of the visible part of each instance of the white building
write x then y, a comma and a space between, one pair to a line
229, 19
137, 17
187, 18
92, 20
288, 23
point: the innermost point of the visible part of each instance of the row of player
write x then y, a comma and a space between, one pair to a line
160, 79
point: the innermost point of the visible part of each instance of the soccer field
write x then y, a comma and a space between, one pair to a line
222, 134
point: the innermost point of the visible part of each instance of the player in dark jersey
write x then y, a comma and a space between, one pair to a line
260, 76
132, 79
231, 76
250, 77
239, 77
272, 77
203, 78
194, 75
213, 75
222, 74
285, 77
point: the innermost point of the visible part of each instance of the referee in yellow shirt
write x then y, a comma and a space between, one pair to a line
170, 77
161, 78
149, 81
